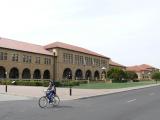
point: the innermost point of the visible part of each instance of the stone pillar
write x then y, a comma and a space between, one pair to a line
20, 75
7, 74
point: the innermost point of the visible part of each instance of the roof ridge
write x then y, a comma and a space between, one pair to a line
115, 63
72, 47
19, 41
23, 46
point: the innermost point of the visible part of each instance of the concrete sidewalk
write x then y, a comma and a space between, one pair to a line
63, 93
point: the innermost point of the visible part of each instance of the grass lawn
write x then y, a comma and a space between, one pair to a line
113, 85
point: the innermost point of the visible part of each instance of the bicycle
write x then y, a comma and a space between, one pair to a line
44, 101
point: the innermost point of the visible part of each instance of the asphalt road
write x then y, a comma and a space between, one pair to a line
142, 104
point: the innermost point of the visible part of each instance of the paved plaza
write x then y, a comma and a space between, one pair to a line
30, 92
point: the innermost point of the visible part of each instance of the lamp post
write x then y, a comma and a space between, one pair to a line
54, 61
6, 82
70, 87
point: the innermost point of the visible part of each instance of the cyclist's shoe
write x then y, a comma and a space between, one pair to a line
51, 101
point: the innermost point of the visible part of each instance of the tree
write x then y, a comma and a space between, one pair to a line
156, 76
130, 75
116, 74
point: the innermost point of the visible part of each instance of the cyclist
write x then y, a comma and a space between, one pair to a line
52, 91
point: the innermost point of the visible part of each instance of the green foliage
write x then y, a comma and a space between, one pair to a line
131, 75
69, 83
83, 81
116, 74
156, 76
28, 83
3, 82
44, 83
136, 80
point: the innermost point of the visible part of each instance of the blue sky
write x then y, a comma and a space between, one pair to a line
125, 30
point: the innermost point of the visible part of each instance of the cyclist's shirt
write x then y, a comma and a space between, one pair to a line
51, 87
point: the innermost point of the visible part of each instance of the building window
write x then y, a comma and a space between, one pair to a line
103, 62
3, 56
79, 60
71, 59
27, 59
88, 61
47, 61
68, 58
38, 60
30, 59
15, 57
96, 62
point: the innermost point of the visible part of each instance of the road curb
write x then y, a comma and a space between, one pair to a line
116, 92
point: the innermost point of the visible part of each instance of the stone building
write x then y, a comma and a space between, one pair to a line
59, 61
143, 71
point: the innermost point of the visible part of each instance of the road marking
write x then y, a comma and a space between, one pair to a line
152, 94
131, 100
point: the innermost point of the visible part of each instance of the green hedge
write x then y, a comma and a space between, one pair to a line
3, 82
69, 83
28, 83
83, 81
39, 83
136, 80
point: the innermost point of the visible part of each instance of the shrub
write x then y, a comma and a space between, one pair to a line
116, 74
83, 81
3, 82
69, 83
26, 83
156, 76
44, 83
136, 80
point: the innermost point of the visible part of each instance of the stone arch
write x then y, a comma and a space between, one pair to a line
14, 73
67, 73
2, 72
88, 75
37, 74
96, 75
46, 74
79, 74
26, 74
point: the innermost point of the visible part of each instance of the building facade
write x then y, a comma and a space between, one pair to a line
77, 63
58, 61
143, 71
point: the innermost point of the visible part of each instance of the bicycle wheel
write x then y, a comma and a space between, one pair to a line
43, 101
56, 100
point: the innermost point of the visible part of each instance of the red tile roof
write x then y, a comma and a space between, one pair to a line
73, 48
140, 68
135, 69
22, 46
115, 64
145, 66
